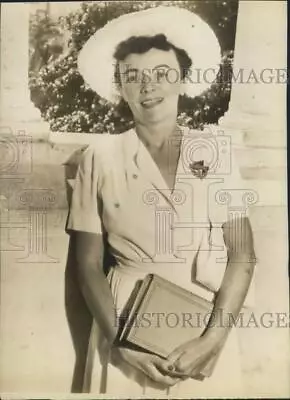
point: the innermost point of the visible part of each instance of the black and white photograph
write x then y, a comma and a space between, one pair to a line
143, 200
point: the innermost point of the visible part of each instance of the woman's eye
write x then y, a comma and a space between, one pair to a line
161, 74
132, 78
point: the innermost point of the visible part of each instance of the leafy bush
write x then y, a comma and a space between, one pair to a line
46, 40
60, 93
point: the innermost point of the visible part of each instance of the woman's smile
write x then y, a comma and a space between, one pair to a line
151, 102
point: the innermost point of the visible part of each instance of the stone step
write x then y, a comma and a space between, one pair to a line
262, 163
263, 174
265, 138
252, 157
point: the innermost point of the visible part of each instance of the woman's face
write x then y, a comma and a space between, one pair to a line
151, 85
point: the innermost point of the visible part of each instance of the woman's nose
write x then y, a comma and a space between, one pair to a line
147, 83
147, 88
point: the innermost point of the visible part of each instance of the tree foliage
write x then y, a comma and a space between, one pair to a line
46, 40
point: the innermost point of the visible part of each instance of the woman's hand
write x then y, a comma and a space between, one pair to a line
155, 367
188, 360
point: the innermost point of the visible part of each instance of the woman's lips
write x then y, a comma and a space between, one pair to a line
150, 103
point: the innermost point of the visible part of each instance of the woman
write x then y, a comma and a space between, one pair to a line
144, 60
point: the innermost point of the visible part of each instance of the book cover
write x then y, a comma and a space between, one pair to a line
164, 315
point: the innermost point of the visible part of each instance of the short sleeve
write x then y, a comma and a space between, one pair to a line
84, 210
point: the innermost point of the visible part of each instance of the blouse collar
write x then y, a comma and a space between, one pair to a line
139, 160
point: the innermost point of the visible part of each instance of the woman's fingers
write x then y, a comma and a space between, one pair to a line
162, 365
184, 365
154, 367
187, 366
158, 369
175, 355
168, 368
153, 372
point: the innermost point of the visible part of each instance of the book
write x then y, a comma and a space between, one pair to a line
162, 316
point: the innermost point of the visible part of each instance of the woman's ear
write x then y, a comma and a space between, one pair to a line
182, 88
122, 92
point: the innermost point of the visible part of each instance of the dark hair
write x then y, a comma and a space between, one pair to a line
142, 44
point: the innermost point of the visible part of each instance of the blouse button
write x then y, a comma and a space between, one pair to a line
117, 205
135, 176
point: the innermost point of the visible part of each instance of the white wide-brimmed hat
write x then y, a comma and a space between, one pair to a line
181, 27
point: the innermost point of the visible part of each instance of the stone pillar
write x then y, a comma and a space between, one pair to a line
258, 96
256, 121
17, 110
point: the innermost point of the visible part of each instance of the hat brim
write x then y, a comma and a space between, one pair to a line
181, 27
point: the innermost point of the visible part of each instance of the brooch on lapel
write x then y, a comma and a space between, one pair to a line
199, 169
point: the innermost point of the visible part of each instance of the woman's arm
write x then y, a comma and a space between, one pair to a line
238, 238
93, 281
190, 358
97, 293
